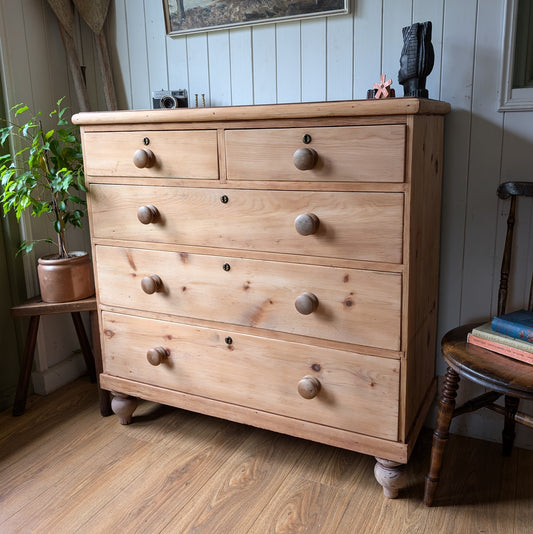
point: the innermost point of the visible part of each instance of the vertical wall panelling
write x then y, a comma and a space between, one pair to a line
264, 64
339, 57
484, 164
456, 83
117, 36
178, 75
313, 53
138, 54
240, 49
288, 54
396, 15
219, 68
156, 47
423, 11
517, 141
38, 50
198, 62
367, 47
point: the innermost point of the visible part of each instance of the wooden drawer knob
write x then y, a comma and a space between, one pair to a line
309, 387
143, 158
305, 158
151, 284
156, 355
148, 214
307, 223
306, 303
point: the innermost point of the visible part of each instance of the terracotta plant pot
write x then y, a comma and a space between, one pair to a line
65, 279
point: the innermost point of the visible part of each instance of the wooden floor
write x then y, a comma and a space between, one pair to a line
65, 469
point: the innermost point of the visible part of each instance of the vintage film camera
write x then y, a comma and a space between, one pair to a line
170, 99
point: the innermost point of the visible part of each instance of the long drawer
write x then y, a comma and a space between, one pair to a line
176, 154
341, 153
351, 225
351, 305
357, 392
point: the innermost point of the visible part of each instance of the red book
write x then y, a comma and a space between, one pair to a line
506, 350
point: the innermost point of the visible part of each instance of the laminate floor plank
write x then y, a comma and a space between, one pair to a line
240, 488
64, 469
315, 494
170, 484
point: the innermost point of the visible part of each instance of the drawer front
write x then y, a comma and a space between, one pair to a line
177, 154
353, 305
357, 392
356, 225
343, 153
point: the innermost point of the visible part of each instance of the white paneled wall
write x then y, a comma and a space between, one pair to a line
331, 59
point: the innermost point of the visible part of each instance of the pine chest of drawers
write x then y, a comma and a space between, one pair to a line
272, 265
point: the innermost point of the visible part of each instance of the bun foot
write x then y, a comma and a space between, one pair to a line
123, 406
391, 475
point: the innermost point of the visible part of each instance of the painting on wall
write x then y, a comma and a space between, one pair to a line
187, 16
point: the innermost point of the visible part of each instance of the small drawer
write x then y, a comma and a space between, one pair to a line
349, 225
332, 154
346, 305
351, 391
154, 154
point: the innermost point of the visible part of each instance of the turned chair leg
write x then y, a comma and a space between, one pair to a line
508, 434
441, 433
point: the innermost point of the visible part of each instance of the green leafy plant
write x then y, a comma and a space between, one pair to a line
45, 175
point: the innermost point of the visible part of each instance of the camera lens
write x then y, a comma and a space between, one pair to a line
169, 102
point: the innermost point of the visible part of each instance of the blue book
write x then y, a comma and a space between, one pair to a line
517, 324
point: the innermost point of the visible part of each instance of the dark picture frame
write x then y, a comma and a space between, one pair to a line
192, 16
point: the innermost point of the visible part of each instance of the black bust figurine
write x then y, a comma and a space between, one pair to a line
416, 61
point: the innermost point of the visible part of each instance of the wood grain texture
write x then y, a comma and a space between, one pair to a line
390, 106
200, 472
361, 154
422, 246
362, 226
353, 305
295, 427
177, 154
257, 372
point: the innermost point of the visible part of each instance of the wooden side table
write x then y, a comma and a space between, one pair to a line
34, 309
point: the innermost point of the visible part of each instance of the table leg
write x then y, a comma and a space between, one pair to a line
84, 344
103, 395
19, 406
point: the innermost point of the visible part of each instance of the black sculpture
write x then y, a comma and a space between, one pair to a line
416, 61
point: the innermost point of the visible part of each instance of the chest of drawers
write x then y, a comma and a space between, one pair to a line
272, 265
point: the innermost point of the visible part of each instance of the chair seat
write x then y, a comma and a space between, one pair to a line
489, 369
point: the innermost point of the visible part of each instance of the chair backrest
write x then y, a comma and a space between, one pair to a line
511, 190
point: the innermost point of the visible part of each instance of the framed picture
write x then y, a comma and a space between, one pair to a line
188, 16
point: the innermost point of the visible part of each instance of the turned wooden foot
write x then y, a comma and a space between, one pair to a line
391, 475
123, 406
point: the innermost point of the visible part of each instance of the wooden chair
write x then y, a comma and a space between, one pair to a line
34, 309
499, 374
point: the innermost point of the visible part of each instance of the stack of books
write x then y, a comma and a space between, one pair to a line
510, 334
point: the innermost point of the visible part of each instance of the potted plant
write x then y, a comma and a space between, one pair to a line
45, 176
